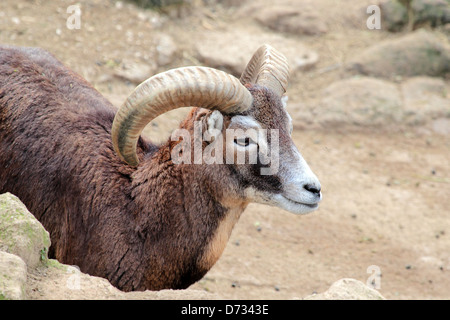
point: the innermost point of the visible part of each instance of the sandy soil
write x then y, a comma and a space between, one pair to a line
385, 190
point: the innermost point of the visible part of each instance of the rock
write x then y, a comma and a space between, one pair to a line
214, 53
418, 53
59, 281
347, 289
360, 101
23, 242
425, 98
20, 233
184, 294
441, 126
292, 19
213, 49
135, 72
305, 61
366, 101
165, 49
13, 276
64, 282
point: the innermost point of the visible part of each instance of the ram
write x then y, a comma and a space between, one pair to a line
122, 208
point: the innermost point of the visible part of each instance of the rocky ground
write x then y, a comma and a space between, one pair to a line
27, 273
371, 113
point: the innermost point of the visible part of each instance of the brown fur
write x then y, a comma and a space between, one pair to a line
157, 226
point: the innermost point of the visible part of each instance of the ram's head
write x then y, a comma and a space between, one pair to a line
241, 123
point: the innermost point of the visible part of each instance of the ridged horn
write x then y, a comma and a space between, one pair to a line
268, 68
182, 87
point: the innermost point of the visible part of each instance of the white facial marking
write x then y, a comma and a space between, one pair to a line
300, 184
295, 175
300, 192
300, 187
245, 122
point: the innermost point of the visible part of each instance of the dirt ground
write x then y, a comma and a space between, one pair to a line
385, 214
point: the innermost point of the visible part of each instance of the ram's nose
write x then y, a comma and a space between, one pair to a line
315, 189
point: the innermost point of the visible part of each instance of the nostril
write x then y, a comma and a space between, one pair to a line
312, 189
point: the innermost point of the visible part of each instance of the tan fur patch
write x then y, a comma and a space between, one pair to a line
217, 244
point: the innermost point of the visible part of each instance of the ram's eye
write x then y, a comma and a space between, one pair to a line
243, 142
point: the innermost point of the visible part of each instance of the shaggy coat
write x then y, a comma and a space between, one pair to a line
156, 226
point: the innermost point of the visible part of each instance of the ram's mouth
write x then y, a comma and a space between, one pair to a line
309, 205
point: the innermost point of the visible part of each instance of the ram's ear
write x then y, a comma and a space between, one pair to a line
214, 123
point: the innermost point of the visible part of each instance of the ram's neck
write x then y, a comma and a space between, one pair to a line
191, 209
219, 238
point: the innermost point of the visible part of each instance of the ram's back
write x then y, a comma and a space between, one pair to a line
55, 147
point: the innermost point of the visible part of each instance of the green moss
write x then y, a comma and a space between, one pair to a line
20, 232
43, 254
52, 263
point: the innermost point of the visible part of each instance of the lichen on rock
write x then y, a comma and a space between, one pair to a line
20, 233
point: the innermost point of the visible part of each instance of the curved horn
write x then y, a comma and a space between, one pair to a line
269, 68
183, 87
